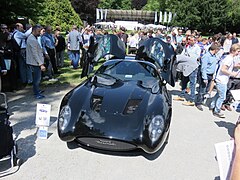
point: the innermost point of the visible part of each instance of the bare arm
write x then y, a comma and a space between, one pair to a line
224, 70
235, 174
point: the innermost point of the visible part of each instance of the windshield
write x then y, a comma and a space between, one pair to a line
129, 71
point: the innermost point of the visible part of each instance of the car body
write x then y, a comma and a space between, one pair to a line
123, 106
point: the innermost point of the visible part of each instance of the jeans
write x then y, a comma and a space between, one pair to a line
193, 79
203, 88
36, 70
219, 97
75, 57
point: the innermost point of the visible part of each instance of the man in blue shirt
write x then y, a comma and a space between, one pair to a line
48, 44
208, 67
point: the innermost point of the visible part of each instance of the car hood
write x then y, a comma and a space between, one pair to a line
114, 111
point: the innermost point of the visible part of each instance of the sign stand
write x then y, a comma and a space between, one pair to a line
43, 120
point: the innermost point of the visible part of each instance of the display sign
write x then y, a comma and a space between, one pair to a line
43, 114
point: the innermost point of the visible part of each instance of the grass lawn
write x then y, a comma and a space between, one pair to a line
69, 76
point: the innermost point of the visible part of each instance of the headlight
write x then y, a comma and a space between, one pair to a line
64, 117
156, 127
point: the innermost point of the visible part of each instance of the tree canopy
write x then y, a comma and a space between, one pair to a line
86, 9
44, 12
208, 16
59, 13
11, 10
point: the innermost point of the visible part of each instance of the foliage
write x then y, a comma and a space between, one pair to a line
213, 15
86, 9
59, 13
138, 4
233, 15
52, 12
208, 16
11, 10
115, 4
122, 4
187, 13
156, 5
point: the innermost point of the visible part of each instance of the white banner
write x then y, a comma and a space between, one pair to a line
160, 16
101, 14
105, 15
155, 19
165, 17
43, 114
169, 17
97, 14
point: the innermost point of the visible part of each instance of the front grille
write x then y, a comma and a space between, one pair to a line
106, 144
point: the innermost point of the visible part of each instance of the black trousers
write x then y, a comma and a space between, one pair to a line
52, 55
233, 83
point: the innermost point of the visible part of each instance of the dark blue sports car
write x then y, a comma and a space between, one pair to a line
125, 104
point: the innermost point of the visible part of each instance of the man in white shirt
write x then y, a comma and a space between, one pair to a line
233, 83
193, 51
222, 75
20, 37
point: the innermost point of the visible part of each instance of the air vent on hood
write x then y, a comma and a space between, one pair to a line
96, 103
131, 106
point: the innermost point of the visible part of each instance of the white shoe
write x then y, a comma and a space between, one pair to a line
53, 80
45, 78
206, 96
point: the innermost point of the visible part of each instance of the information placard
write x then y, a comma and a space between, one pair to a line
43, 115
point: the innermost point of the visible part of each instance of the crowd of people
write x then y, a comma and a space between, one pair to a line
14, 51
216, 64
30, 54
214, 61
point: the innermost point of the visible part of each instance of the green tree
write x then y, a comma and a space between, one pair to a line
186, 13
11, 10
86, 9
59, 13
115, 4
138, 4
213, 16
152, 5
126, 4
233, 15
156, 5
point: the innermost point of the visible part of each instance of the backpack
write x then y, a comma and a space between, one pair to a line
15, 46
